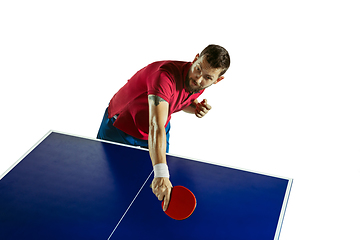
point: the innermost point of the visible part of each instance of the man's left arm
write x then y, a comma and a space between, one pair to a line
199, 109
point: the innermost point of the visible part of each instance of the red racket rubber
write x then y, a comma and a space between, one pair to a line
182, 203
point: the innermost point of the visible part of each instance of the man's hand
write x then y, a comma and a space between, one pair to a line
202, 108
161, 187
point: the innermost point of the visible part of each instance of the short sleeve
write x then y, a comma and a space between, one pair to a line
162, 85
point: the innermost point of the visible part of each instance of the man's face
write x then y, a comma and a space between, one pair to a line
201, 75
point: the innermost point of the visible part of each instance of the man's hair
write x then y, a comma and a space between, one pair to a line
217, 57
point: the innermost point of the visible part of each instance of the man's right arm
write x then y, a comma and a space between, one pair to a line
158, 114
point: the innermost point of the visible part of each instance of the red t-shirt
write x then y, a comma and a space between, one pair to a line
165, 79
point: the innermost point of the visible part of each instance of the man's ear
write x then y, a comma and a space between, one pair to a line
219, 79
196, 58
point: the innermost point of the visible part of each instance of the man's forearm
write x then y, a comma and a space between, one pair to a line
191, 108
157, 144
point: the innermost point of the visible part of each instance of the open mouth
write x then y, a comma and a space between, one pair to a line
193, 84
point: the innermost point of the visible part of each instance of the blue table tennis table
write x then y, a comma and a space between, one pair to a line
70, 187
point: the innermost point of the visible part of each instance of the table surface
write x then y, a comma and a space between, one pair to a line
70, 187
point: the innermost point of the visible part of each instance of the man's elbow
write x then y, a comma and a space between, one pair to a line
156, 129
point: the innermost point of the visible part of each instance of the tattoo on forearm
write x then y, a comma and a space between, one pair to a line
156, 99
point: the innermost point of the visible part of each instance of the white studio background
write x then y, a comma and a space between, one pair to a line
288, 106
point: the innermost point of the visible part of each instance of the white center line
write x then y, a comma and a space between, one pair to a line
129, 206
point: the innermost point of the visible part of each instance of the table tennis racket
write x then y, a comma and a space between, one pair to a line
182, 203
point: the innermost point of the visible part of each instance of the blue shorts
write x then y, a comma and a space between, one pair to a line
110, 133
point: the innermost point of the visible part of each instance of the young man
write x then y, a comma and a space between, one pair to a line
139, 113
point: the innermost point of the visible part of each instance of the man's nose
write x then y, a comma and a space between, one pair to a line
198, 79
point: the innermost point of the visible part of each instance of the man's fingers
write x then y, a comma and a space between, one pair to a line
205, 104
160, 197
199, 114
161, 187
159, 192
166, 199
202, 109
